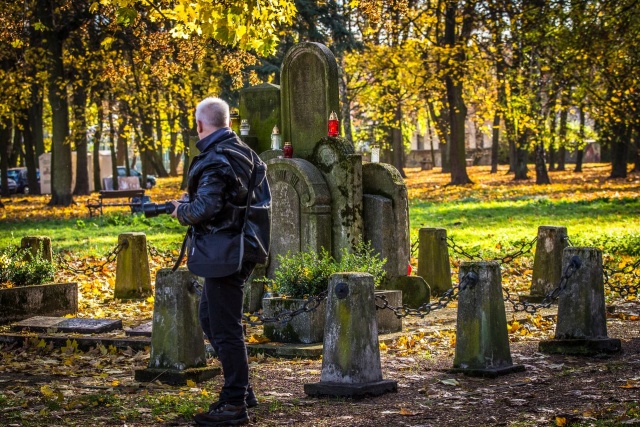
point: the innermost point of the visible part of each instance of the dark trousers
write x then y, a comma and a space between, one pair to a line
221, 321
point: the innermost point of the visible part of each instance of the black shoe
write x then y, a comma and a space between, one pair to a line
223, 414
250, 398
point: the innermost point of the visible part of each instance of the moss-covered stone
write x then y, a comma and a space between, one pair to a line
433, 259
133, 279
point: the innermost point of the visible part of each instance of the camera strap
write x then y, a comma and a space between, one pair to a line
191, 230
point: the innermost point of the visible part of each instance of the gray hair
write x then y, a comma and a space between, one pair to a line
213, 112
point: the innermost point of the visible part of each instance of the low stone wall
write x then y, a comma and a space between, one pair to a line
56, 299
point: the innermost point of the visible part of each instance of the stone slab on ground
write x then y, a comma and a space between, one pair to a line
336, 389
581, 347
176, 377
143, 330
488, 372
67, 325
85, 343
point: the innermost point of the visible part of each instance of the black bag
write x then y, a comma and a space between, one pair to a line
216, 254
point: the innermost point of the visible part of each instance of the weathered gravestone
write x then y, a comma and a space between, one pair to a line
260, 106
133, 279
38, 246
547, 263
433, 259
309, 85
342, 170
301, 209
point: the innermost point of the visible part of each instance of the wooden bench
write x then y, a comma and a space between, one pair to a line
97, 204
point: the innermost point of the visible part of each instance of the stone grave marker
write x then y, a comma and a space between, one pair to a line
260, 106
301, 209
67, 325
309, 85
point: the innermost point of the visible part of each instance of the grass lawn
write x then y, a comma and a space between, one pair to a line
488, 217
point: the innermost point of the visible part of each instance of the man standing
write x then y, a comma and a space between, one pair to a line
218, 186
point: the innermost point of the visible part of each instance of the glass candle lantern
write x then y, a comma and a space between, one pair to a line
244, 127
334, 125
375, 154
287, 150
276, 139
234, 117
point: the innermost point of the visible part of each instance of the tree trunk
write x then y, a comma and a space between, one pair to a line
398, 145
457, 108
97, 138
80, 139
542, 177
495, 142
619, 151
174, 156
113, 137
562, 134
636, 165
5, 138
441, 126
522, 155
581, 143
60, 147
30, 159
552, 141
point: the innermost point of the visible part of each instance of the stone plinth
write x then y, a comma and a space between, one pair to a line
547, 263
177, 343
306, 328
582, 322
433, 259
415, 291
387, 227
482, 341
55, 299
133, 279
351, 356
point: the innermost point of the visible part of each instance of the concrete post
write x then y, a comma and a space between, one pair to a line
482, 341
38, 245
433, 259
582, 320
351, 355
133, 279
177, 342
547, 263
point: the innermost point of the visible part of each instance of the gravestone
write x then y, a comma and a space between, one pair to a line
38, 245
301, 209
133, 279
391, 228
67, 325
309, 85
433, 259
547, 263
342, 171
260, 106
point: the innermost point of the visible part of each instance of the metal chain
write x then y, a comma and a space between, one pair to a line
166, 256
568, 240
468, 281
525, 248
63, 262
627, 270
415, 248
574, 264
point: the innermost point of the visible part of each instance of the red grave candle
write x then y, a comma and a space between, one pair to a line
334, 125
287, 150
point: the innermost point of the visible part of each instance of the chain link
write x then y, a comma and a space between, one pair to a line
64, 263
627, 270
166, 256
524, 249
311, 304
574, 264
468, 281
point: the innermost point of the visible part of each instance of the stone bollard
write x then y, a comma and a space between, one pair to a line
582, 320
351, 355
133, 279
547, 263
38, 245
177, 342
482, 341
433, 259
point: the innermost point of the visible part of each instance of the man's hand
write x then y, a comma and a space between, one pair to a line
175, 210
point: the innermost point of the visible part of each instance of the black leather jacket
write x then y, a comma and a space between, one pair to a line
217, 186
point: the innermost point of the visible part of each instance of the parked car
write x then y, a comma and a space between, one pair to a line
13, 187
151, 180
19, 175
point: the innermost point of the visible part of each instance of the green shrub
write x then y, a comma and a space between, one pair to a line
16, 270
307, 273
